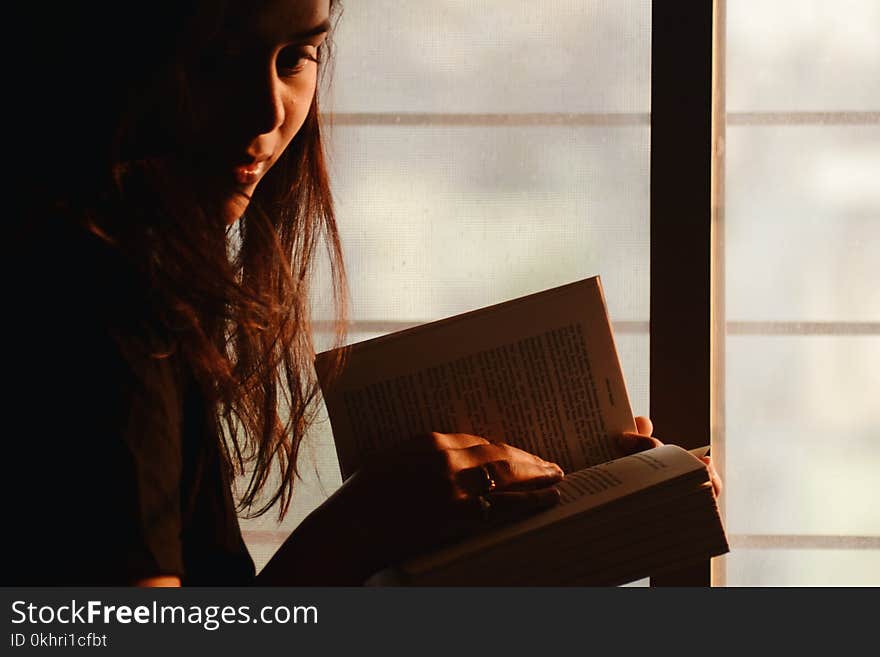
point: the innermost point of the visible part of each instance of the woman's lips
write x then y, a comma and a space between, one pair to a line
250, 173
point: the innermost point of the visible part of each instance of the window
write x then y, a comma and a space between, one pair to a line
800, 240
484, 149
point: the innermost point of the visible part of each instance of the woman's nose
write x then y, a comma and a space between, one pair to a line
266, 105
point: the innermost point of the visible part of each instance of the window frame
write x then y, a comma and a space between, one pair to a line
682, 225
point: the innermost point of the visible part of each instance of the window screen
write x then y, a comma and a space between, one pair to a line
801, 241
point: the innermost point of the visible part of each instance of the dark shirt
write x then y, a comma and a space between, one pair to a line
115, 470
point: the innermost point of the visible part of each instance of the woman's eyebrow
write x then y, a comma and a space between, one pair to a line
315, 31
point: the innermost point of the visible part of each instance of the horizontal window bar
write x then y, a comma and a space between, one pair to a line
733, 328
803, 542
803, 118
385, 326
803, 328
490, 119
586, 118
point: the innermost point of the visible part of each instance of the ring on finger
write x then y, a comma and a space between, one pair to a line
488, 480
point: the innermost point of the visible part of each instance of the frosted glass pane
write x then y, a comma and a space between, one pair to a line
793, 567
805, 55
633, 350
477, 56
439, 220
802, 223
802, 446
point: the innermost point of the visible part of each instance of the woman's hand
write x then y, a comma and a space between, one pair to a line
642, 440
430, 489
415, 496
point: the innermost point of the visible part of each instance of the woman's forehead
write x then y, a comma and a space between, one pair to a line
283, 20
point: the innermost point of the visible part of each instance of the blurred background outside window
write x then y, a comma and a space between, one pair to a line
801, 250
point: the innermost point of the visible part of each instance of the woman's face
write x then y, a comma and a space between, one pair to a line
253, 89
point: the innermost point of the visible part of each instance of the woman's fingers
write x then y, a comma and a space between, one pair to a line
506, 475
644, 426
640, 439
715, 478
454, 440
483, 468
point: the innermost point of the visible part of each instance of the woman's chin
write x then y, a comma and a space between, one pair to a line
234, 207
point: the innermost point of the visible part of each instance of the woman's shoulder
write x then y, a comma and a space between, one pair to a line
104, 408
75, 283
70, 264
85, 332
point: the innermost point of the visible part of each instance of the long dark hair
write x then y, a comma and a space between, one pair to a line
238, 319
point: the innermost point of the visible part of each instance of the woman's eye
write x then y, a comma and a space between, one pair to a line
294, 60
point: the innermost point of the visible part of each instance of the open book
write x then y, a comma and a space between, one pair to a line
541, 373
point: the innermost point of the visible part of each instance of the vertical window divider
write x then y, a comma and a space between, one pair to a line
718, 282
681, 234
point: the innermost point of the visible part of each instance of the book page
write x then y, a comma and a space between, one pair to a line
540, 372
625, 475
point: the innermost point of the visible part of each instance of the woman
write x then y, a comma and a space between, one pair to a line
163, 345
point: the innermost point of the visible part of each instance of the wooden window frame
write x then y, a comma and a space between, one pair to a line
681, 184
